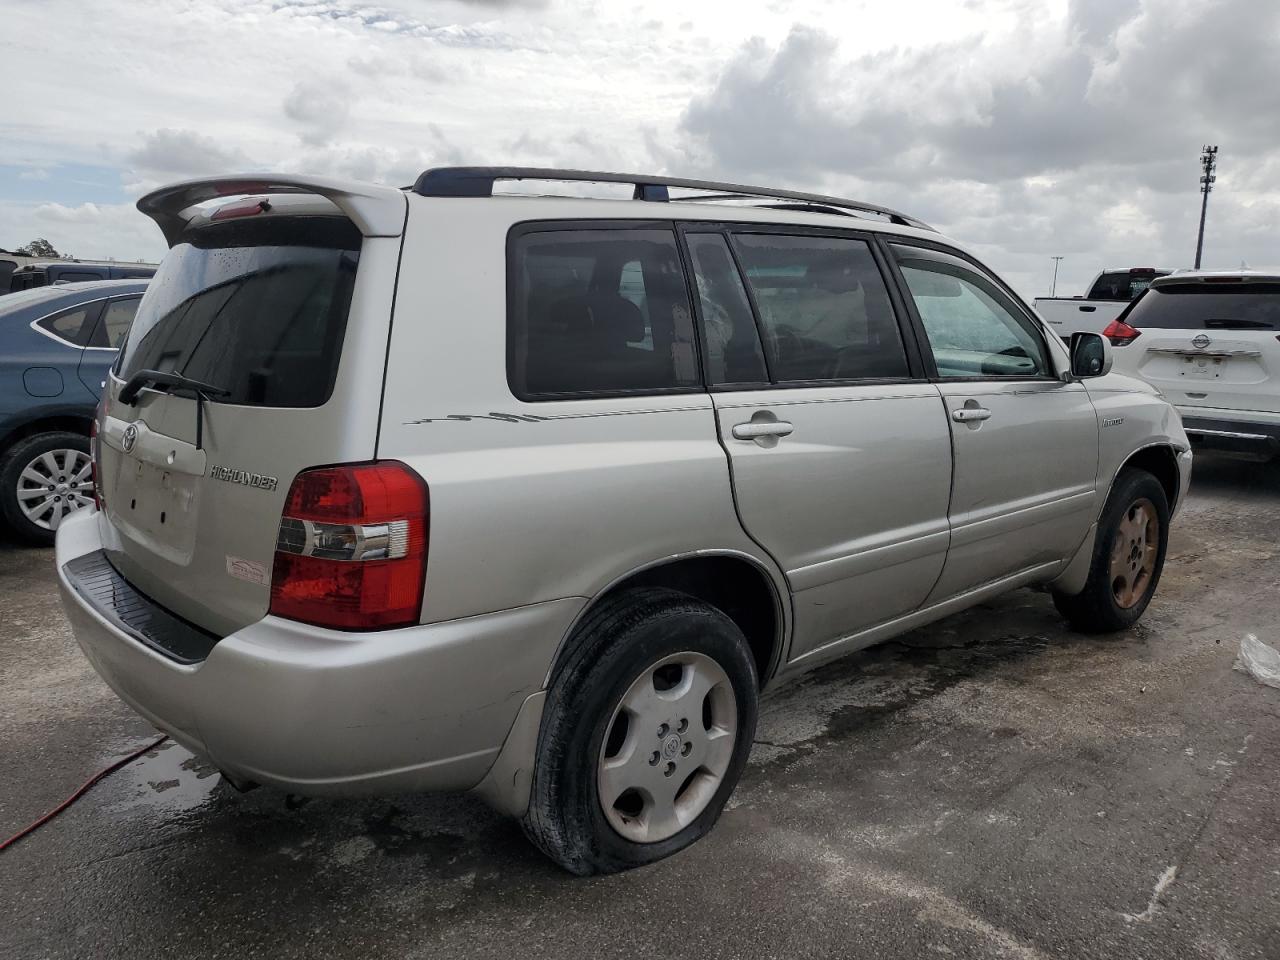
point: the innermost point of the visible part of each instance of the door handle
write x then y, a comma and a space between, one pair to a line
970, 414
755, 429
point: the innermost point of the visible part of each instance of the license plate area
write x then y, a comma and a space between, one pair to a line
156, 507
1202, 367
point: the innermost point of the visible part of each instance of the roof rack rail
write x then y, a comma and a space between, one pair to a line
478, 182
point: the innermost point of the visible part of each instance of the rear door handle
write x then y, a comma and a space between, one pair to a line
969, 414
755, 429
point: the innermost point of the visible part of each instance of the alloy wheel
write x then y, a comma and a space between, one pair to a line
56, 483
1133, 553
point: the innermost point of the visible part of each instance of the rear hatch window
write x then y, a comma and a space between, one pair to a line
1123, 285
255, 308
1208, 306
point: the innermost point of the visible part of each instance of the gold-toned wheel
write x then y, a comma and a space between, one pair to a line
1134, 552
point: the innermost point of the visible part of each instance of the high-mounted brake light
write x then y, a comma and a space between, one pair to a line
259, 205
1120, 333
351, 552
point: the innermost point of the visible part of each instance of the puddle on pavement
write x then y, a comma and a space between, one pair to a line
169, 779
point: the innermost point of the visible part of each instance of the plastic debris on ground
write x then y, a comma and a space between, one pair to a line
1259, 661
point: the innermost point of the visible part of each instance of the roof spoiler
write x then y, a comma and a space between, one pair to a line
376, 211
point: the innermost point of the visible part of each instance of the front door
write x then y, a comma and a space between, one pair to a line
838, 446
1025, 442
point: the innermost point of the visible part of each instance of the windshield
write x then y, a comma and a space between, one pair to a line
1203, 306
256, 308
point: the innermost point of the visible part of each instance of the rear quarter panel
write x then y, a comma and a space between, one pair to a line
532, 501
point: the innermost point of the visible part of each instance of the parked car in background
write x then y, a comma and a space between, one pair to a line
1111, 291
51, 272
436, 489
1210, 341
56, 344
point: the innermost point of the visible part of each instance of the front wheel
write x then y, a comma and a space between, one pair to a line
647, 728
1128, 557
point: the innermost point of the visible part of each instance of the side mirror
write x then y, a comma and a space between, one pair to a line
1090, 355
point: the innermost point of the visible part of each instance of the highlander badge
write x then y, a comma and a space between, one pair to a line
232, 475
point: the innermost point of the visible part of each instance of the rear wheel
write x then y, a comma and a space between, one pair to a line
1128, 557
43, 480
647, 728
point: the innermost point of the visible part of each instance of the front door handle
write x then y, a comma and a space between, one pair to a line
755, 429
970, 414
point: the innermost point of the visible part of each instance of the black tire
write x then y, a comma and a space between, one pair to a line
611, 648
1095, 609
11, 465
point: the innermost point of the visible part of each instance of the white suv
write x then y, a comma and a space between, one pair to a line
1210, 341
435, 489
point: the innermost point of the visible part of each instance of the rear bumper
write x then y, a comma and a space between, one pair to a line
316, 711
1244, 432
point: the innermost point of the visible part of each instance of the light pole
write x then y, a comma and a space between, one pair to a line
1209, 163
1053, 291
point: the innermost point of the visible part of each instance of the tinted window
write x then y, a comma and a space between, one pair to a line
973, 326
728, 326
258, 308
1122, 284
74, 325
115, 322
1208, 306
599, 311
824, 308
75, 276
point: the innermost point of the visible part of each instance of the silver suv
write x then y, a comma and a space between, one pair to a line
439, 489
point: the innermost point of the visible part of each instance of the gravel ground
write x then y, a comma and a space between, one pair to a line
990, 786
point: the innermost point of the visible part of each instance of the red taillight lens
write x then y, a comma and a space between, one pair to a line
1121, 334
352, 548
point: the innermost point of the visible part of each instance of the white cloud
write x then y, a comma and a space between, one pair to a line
1027, 128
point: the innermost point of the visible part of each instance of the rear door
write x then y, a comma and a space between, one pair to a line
839, 448
1025, 443
1208, 343
288, 314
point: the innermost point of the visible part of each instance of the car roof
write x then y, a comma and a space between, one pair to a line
68, 294
1211, 276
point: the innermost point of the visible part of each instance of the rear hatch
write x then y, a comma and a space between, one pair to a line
1209, 342
282, 308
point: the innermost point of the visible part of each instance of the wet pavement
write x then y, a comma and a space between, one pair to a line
990, 786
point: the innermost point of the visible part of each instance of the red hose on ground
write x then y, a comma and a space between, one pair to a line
84, 788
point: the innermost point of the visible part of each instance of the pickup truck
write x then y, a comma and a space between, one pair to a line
1108, 295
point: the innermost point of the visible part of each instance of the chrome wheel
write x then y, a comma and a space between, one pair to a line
668, 747
54, 484
1133, 554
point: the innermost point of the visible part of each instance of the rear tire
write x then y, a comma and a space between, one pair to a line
1128, 557
40, 484
609, 713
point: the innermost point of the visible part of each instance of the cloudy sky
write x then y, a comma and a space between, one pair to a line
1024, 128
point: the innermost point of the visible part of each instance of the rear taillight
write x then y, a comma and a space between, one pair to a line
1120, 333
93, 461
351, 552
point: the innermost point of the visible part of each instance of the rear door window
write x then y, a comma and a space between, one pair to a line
729, 329
824, 309
596, 312
256, 308
73, 326
1208, 306
114, 325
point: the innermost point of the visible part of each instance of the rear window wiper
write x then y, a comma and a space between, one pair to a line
163, 382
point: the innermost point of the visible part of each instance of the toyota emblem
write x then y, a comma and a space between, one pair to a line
1201, 341
130, 438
